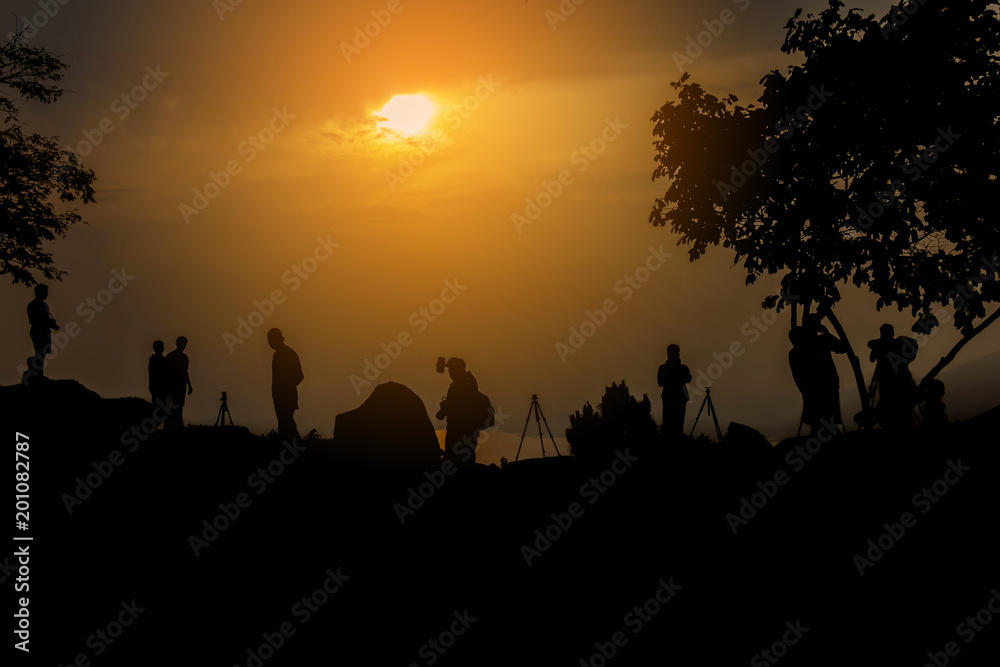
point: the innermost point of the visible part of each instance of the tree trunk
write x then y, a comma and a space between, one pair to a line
946, 359
855, 364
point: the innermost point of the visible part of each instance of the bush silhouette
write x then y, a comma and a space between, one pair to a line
620, 420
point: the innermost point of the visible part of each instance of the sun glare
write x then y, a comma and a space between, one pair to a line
407, 114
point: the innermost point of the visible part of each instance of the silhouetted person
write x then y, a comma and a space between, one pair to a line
673, 376
814, 372
286, 374
896, 388
934, 408
178, 380
41, 326
464, 417
158, 375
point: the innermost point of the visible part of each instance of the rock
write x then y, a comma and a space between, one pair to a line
390, 427
746, 440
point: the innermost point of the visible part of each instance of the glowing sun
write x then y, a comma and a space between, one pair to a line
407, 114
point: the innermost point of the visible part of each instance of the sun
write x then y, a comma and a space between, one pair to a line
406, 114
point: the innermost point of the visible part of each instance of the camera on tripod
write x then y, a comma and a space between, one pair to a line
220, 419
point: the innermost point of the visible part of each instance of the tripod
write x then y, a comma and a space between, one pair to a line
872, 391
711, 410
538, 413
224, 412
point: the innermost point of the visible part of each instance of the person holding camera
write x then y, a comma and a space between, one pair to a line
897, 391
673, 376
460, 408
41, 325
814, 371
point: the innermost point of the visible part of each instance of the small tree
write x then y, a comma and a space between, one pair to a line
35, 171
873, 163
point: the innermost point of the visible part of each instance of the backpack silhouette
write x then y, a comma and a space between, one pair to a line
483, 409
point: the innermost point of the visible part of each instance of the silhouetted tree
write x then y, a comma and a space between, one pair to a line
873, 162
34, 171
620, 421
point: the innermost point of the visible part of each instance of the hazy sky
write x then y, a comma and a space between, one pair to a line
359, 232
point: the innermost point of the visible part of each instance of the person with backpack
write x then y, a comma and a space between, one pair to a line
467, 410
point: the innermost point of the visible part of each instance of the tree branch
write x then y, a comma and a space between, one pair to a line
946, 359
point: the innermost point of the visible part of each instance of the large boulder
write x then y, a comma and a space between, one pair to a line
390, 427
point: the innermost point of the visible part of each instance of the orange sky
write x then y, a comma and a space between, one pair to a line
380, 228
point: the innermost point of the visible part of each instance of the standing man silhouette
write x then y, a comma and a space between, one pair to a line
178, 380
286, 374
459, 406
158, 375
673, 376
41, 326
